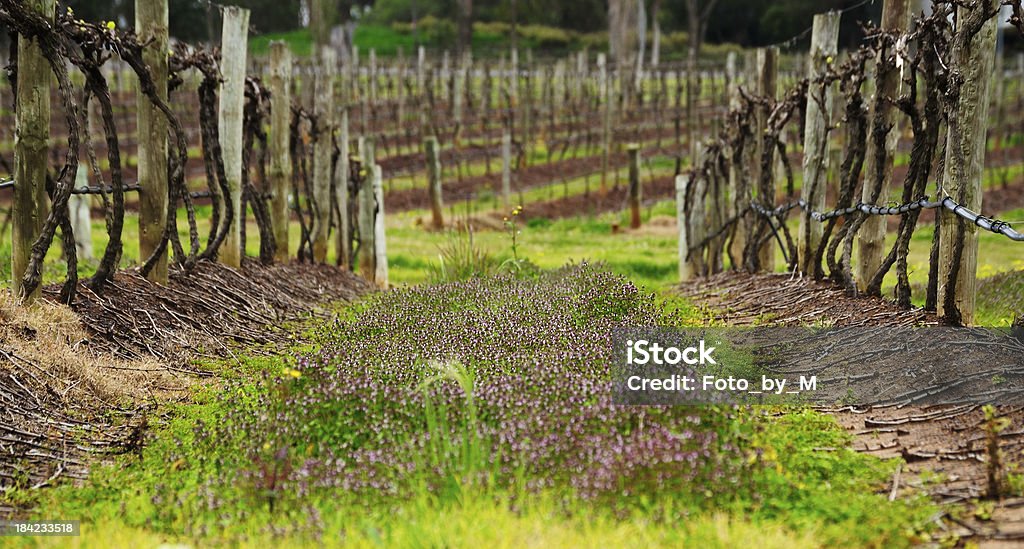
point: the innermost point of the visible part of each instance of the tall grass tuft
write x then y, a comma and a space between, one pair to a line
455, 447
459, 258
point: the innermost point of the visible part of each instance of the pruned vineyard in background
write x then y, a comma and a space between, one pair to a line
323, 144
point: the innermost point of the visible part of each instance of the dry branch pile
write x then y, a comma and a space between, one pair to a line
76, 386
783, 299
198, 312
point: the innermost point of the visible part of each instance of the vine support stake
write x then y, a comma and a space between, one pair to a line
432, 149
974, 58
380, 250
683, 222
871, 236
280, 155
234, 42
322, 149
824, 47
367, 211
343, 236
506, 168
605, 89
635, 190
31, 142
151, 18
766, 83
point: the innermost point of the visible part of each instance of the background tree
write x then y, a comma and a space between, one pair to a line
698, 13
465, 32
622, 31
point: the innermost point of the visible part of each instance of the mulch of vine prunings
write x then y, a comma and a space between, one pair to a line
944, 447
742, 299
202, 311
945, 453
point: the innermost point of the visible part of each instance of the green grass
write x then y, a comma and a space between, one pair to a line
385, 40
300, 42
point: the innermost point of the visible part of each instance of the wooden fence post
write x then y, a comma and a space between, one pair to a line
151, 20
234, 41
31, 146
432, 149
78, 213
965, 161
514, 79
605, 89
322, 150
824, 46
280, 155
682, 220
421, 61
766, 73
367, 212
372, 83
343, 237
380, 250
506, 168
871, 236
457, 94
635, 189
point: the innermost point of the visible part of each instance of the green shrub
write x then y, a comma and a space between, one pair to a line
540, 36
492, 28
597, 41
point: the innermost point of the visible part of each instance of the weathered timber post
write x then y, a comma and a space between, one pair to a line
766, 71
824, 46
367, 211
605, 89
280, 155
234, 41
432, 149
732, 85
78, 213
457, 94
527, 107
698, 217
421, 61
514, 77
506, 168
635, 190
965, 161
343, 236
322, 150
686, 271
380, 250
31, 139
151, 23
372, 84
871, 236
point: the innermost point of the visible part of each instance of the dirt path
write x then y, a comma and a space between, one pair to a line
944, 447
